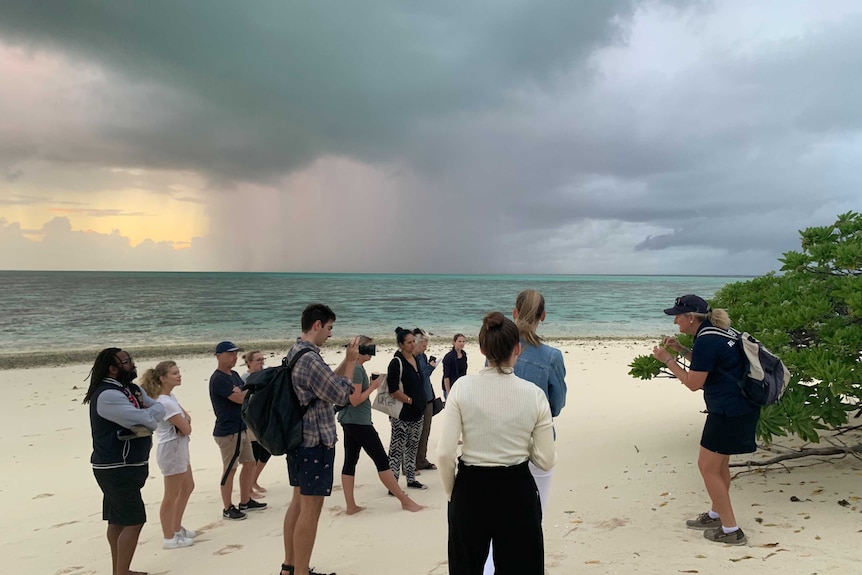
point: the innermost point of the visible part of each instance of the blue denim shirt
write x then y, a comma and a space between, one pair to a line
544, 366
425, 370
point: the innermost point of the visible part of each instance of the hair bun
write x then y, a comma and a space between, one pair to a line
494, 320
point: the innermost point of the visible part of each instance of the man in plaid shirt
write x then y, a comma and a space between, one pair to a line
310, 466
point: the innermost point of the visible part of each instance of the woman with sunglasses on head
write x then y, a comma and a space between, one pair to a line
731, 421
254, 362
505, 422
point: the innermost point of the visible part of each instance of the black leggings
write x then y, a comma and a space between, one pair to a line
499, 504
365, 437
260, 452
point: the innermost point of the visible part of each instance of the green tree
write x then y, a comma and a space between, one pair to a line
811, 317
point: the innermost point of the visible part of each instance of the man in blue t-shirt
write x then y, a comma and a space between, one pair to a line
230, 433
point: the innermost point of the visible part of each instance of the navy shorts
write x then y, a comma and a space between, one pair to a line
310, 468
730, 435
122, 503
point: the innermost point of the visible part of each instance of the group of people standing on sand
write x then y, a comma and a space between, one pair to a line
499, 419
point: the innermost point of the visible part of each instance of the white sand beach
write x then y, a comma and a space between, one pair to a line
625, 481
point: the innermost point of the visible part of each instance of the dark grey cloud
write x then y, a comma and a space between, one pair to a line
258, 88
554, 136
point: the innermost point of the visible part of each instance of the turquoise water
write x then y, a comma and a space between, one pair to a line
89, 310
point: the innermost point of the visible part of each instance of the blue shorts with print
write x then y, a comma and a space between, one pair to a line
310, 468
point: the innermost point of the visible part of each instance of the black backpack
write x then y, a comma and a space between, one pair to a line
271, 409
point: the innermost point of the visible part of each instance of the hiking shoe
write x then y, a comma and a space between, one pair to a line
416, 485
252, 505
703, 521
187, 533
233, 513
176, 542
719, 536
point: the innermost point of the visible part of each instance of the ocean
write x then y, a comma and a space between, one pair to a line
54, 313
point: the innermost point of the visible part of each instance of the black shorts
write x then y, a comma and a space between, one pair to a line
122, 503
730, 435
310, 468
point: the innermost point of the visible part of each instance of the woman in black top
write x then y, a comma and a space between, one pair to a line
408, 427
454, 363
716, 367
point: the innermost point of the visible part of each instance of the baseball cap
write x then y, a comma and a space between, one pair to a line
226, 346
688, 304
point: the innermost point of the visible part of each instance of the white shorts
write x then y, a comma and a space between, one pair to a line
173, 455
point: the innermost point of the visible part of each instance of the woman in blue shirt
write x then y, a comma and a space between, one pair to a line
716, 367
542, 365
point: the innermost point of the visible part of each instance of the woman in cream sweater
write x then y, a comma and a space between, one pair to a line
505, 422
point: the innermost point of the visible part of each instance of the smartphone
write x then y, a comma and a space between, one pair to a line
376, 375
432, 358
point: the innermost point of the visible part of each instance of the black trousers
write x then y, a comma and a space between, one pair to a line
499, 504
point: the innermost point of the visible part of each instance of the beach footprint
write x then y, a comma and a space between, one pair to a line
228, 549
74, 570
613, 523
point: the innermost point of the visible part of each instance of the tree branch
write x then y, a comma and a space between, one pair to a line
809, 452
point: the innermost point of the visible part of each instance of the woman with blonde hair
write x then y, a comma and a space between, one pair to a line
254, 362
542, 365
731, 421
172, 453
506, 425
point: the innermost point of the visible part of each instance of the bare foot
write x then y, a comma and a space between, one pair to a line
354, 510
411, 505
257, 495
258, 488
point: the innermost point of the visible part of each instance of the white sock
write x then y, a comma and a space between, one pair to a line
729, 529
713, 515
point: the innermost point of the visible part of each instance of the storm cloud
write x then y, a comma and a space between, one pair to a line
524, 137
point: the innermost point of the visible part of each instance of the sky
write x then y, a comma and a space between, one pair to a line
504, 136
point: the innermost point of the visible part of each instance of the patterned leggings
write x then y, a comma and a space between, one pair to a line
403, 446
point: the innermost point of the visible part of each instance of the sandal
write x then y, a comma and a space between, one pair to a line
288, 568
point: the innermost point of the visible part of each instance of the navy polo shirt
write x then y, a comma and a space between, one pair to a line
227, 413
722, 359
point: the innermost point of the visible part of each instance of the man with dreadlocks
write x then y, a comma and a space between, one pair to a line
122, 419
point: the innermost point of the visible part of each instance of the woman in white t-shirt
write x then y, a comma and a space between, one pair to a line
172, 453
505, 422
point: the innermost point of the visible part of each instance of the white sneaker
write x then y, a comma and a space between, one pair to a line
187, 533
176, 542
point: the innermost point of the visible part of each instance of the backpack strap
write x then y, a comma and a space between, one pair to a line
736, 336
729, 333
289, 366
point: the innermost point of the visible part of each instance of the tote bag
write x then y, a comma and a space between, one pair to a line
385, 402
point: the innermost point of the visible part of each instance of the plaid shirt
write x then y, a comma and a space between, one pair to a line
314, 380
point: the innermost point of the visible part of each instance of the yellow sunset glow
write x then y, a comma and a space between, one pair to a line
161, 207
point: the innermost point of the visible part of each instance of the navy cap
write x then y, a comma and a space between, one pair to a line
688, 304
226, 346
